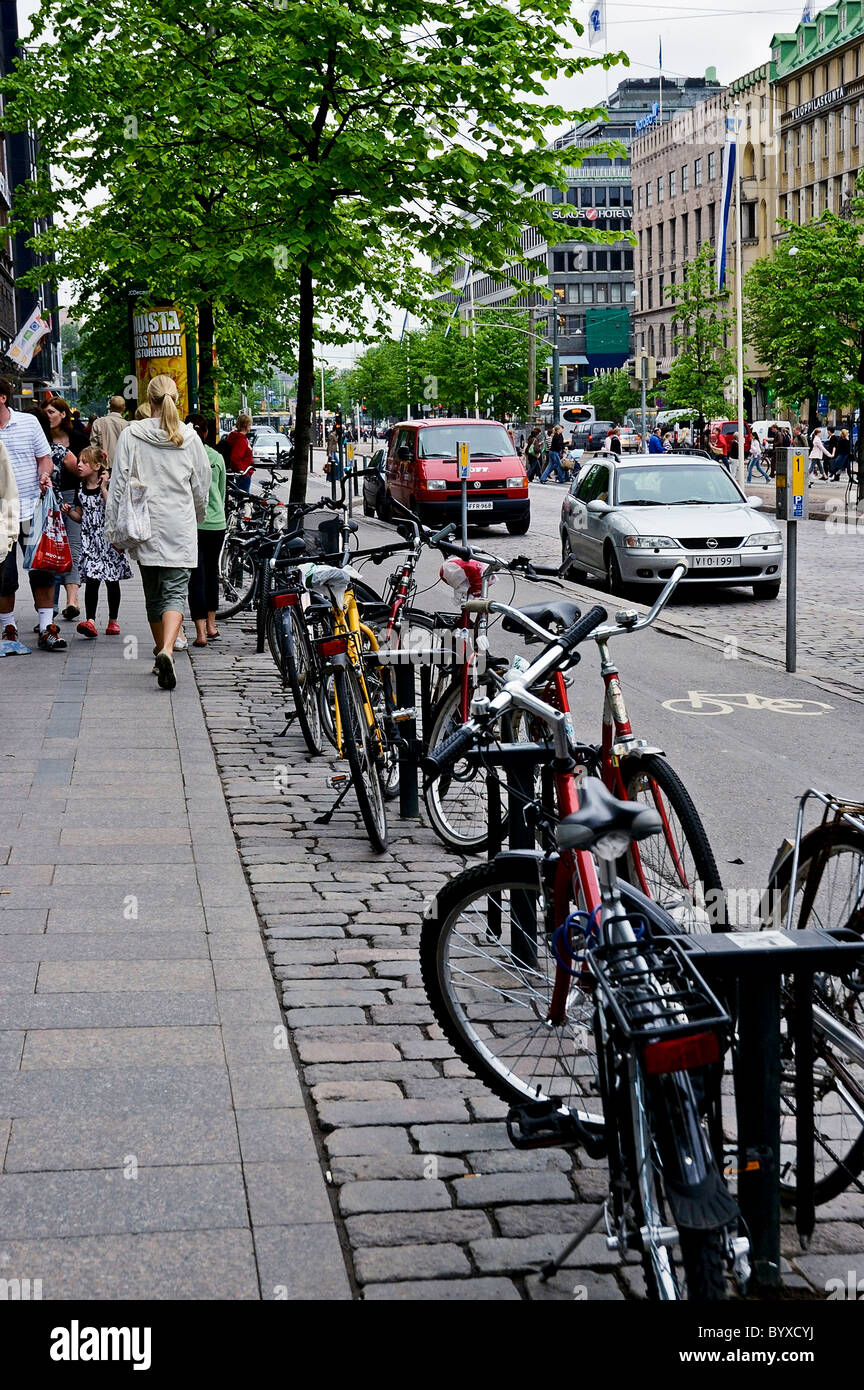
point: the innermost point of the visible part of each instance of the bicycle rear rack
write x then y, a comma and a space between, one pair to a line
654, 991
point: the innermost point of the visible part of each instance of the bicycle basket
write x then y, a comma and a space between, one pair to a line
322, 543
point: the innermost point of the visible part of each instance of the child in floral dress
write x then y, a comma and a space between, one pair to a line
100, 562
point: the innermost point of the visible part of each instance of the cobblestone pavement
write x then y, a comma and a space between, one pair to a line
434, 1201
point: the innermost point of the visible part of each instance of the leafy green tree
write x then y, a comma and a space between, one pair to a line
804, 311
699, 373
612, 395
293, 156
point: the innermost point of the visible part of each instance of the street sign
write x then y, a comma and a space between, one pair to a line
822, 404
792, 507
464, 462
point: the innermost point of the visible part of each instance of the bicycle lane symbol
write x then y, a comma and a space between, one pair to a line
702, 702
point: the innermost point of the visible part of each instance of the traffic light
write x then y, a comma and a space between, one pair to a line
337, 420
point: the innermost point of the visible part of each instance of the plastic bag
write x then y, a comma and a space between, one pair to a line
51, 550
133, 514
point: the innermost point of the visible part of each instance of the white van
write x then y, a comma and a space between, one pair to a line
761, 427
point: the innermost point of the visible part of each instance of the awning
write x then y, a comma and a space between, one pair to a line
569, 359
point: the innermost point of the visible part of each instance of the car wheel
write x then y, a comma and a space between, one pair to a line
767, 590
519, 525
568, 569
367, 510
614, 582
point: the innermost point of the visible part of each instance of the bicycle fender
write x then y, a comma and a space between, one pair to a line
698, 1198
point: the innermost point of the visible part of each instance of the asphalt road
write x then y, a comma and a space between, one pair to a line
745, 767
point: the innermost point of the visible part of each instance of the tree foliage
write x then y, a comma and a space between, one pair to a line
279, 160
699, 373
612, 395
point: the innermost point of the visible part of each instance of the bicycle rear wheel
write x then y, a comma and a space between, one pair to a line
236, 578
299, 672
829, 892
363, 757
458, 802
488, 971
676, 868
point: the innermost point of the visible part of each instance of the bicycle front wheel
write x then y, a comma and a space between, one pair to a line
488, 971
677, 867
299, 672
236, 579
358, 745
829, 892
458, 801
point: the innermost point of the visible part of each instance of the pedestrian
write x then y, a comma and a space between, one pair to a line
204, 579
9, 509
615, 442
532, 455
668, 442
799, 437
655, 442
73, 439
31, 461
100, 562
756, 459
173, 465
818, 455
556, 447
143, 411
108, 428
842, 454
238, 453
332, 446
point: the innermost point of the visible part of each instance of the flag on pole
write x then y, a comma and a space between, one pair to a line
661, 53
469, 266
22, 350
806, 13
404, 326
729, 175
597, 23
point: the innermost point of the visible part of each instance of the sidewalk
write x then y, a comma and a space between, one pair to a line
153, 1138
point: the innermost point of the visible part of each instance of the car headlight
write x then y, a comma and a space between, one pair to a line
436, 485
764, 538
517, 482
650, 543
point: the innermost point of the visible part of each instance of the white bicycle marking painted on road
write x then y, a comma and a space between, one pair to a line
701, 702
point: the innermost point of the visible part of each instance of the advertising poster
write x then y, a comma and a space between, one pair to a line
159, 347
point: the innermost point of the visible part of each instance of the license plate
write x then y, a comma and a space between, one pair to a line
716, 562
479, 506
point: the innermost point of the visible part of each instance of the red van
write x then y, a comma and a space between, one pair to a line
423, 473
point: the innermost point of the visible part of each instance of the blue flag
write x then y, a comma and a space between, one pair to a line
806, 14
729, 175
661, 53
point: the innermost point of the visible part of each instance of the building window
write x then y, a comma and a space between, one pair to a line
784, 207
573, 196
638, 197
649, 201
826, 78
826, 127
841, 131
811, 202
585, 197
614, 260
785, 154
661, 292
711, 207
673, 183
628, 260
630, 292
798, 149
697, 227
650, 291
662, 336
558, 260
712, 166
748, 221
651, 342
660, 189
697, 173
811, 143
672, 239
600, 197
587, 294
685, 177
628, 197
841, 17
573, 296
801, 43
855, 121
600, 294
685, 249
615, 197
555, 195
615, 296
824, 200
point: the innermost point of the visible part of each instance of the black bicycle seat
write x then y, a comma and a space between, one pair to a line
558, 616
600, 813
294, 545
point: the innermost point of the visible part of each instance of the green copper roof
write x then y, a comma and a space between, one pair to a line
821, 36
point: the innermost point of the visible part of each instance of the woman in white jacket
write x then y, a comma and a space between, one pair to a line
172, 463
818, 455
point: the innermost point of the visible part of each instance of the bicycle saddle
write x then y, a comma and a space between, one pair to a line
557, 615
601, 814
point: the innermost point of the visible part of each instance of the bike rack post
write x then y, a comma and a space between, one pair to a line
757, 962
519, 761
409, 753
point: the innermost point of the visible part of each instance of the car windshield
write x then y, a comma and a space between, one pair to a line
484, 441
671, 484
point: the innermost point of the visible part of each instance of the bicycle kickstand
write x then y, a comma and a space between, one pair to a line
334, 781
290, 716
552, 1267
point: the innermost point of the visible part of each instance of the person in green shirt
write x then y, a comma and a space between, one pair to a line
204, 579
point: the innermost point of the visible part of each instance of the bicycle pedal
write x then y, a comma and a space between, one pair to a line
337, 780
546, 1124
401, 716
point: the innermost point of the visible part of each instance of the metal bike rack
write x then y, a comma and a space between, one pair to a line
752, 965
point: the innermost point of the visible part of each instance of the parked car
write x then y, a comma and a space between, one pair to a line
761, 427
632, 520
375, 501
589, 437
631, 440
729, 428
269, 446
423, 473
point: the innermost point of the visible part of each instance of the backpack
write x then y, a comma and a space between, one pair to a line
224, 448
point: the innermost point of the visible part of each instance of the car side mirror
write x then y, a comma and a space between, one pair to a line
598, 507
755, 503
404, 454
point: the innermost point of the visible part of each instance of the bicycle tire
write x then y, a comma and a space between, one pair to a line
704, 1264
362, 758
528, 1061
299, 674
237, 578
839, 1133
457, 803
660, 865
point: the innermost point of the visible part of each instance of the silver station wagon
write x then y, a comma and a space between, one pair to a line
633, 520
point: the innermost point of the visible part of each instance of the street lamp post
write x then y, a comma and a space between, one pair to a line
739, 312
556, 376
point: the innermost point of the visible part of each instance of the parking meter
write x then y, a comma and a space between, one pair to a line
791, 480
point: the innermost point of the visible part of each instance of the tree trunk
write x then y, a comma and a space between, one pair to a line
206, 372
305, 384
860, 445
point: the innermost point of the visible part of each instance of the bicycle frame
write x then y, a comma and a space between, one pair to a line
346, 623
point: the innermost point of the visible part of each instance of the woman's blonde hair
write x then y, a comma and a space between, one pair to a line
162, 395
143, 411
243, 421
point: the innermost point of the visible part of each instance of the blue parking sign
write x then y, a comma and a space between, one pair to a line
797, 507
